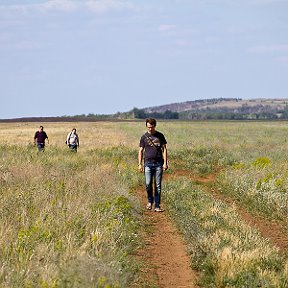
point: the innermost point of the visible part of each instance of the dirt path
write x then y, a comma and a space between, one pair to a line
275, 231
168, 264
165, 251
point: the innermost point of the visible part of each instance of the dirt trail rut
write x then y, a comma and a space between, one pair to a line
168, 264
275, 231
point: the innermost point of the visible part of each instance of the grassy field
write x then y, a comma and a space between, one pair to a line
72, 219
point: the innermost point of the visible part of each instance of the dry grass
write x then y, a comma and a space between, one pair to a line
67, 220
91, 134
227, 251
67, 217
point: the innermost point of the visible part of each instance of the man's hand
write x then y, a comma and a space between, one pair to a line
165, 167
140, 168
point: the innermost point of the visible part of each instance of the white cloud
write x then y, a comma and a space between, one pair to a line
102, 6
25, 8
10, 45
62, 5
27, 45
283, 59
231, 2
30, 74
98, 6
166, 28
175, 31
269, 49
182, 42
267, 1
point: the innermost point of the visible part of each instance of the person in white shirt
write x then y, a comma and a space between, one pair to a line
73, 140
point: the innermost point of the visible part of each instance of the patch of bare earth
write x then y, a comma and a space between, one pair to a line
168, 264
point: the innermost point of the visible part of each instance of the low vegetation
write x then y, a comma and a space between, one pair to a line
226, 251
67, 219
72, 219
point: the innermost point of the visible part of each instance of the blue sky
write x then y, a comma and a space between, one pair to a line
68, 57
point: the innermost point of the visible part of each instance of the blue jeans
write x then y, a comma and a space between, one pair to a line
73, 147
153, 175
40, 147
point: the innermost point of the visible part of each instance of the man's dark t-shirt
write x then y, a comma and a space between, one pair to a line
153, 144
40, 136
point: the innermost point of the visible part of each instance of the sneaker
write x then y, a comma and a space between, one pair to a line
149, 206
158, 209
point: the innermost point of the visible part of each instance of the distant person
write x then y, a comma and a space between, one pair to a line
153, 146
39, 138
73, 140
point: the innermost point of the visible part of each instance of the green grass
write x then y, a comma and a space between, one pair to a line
226, 251
72, 220
67, 220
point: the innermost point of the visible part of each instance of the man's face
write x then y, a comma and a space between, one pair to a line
151, 128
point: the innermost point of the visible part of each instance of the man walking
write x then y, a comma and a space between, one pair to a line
153, 146
39, 138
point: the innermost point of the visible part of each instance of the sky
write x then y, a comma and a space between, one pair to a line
72, 57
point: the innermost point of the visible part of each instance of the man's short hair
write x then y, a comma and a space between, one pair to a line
151, 121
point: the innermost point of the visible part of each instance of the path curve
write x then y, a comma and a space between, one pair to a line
275, 231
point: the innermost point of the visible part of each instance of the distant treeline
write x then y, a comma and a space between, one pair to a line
141, 114
210, 115
226, 115
209, 109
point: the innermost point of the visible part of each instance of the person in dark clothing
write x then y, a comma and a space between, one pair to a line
153, 146
40, 137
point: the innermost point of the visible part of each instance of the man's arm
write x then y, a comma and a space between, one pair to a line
140, 158
47, 139
77, 140
68, 138
165, 164
35, 138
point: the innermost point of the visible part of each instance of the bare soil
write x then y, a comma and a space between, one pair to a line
168, 264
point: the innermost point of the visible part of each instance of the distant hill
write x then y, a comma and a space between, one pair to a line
220, 108
231, 104
217, 109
